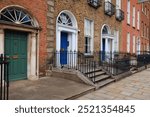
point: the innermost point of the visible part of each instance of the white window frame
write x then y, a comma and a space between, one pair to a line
138, 20
147, 32
89, 36
128, 12
133, 16
142, 7
145, 10
116, 41
107, 0
118, 4
134, 43
128, 42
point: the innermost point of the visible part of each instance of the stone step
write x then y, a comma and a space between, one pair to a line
98, 73
104, 83
92, 71
101, 78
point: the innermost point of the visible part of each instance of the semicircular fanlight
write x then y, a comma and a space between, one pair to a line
17, 16
64, 19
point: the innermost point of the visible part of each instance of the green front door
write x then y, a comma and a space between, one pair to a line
16, 50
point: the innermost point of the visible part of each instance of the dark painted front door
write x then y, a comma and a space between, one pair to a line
16, 50
103, 49
63, 50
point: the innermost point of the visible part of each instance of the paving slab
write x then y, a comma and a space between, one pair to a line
134, 87
47, 89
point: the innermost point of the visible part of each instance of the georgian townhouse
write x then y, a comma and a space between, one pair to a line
145, 26
131, 27
135, 27
24, 37
88, 25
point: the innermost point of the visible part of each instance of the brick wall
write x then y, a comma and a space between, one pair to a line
82, 10
145, 19
129, 27
37, 9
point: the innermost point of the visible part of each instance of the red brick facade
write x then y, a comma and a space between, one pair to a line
141, 34
38, 10
128, 28
145, 26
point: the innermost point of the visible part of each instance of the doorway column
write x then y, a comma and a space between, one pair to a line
32, 75
74, 48
1, 41
74, 42
58, 42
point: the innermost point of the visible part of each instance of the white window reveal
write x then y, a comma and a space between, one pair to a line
107, 0
128, 42
133, 17
116, 41
147, 32
147, 47
142, 7
128, 12
118, 4
138, 20
134, 43
88, 34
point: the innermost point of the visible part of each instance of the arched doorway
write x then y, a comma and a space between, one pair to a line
106, 42
18, 38
66, 37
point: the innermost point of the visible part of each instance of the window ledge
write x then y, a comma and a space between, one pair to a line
88, 55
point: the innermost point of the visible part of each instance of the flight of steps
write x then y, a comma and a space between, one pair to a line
101, 77
134, 70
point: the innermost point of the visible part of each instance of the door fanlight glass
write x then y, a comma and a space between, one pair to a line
17, 16
64, 19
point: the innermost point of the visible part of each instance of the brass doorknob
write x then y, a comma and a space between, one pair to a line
15, 57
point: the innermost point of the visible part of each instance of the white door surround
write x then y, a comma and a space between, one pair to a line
109, 38
66, 22
32, 41
70, 27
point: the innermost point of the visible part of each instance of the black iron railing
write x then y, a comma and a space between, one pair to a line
143, 60
4, 78
75, 60
95, 3
114, 63
119, 15
109, 8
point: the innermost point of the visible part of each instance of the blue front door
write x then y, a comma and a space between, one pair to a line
63, 48
103, 50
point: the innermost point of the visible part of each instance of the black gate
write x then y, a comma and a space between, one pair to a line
4, 78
